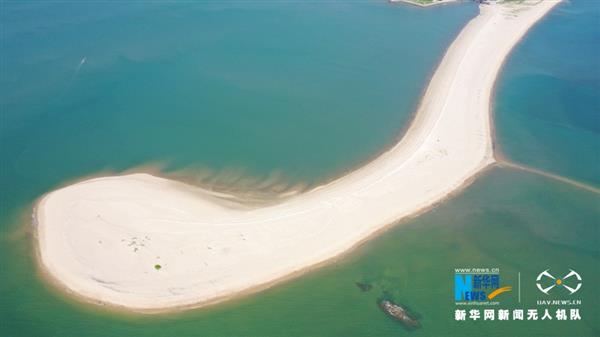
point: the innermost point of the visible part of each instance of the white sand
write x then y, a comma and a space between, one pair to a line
101, 238
414, 2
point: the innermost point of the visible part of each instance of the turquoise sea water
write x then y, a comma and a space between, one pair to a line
309, 89
548, 103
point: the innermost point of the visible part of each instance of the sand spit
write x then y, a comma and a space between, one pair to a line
429, 4
150, 244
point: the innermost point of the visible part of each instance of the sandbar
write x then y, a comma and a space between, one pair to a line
151, 244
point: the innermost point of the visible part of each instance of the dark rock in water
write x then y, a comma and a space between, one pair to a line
399, 313
364, 286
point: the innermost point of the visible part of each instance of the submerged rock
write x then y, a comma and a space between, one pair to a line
364, 286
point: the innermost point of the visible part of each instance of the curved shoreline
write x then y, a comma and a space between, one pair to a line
417, 4
447, 144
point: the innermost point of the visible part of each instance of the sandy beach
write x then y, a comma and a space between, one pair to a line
151, 244
416, 3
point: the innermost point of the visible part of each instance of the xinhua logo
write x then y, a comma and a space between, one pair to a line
546, 281
477, 285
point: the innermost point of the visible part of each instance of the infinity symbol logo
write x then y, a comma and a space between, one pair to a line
558, 282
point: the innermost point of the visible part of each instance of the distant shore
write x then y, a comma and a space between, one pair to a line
150, 244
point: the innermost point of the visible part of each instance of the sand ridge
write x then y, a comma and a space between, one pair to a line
147, 243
